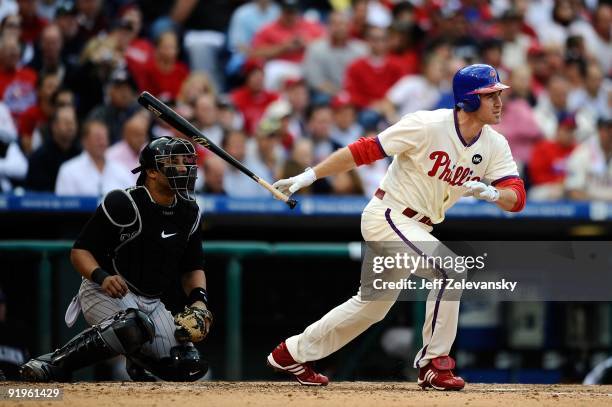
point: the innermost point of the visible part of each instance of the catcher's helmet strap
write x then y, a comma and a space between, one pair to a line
137, 169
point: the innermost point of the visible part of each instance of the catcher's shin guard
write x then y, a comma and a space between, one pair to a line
124, 334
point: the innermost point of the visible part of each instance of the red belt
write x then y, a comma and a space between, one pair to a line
380, 194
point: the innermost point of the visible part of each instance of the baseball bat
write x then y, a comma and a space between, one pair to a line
162, 111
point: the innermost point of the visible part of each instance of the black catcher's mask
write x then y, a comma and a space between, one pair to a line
176, 159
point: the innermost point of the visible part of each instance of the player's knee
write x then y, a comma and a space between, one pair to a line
128, 331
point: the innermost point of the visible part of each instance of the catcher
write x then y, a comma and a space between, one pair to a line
136, 245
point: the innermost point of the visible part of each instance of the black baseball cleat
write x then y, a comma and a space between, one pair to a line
41, 370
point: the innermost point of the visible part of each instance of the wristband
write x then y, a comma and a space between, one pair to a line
198, 294
98, 276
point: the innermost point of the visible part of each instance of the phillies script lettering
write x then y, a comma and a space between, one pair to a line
455, 176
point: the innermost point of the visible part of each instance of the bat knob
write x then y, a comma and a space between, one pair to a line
291, 203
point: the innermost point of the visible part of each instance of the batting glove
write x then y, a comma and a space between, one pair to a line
293, 184
482, 191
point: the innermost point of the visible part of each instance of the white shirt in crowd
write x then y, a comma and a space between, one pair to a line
589, 171
413, 93
80, 176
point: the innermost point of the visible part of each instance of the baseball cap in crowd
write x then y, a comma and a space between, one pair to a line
292, 81
268, 127
251, 65
290, 5
567, 120
535, 50
122, 77
342, 99
66, 8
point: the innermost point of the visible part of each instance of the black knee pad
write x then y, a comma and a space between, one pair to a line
128, 331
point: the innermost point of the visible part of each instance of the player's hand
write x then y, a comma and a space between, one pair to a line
115, 286
193, 324
290, 185
482, 191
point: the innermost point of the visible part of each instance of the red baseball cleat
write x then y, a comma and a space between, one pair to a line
439, 375
281, 360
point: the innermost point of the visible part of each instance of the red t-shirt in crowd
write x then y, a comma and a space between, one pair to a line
18, 89
30, 120
409, 61
367, 83
276, 34
548, 162
252, 105
164, 85
138, 56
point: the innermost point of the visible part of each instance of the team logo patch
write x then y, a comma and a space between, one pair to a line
476, 159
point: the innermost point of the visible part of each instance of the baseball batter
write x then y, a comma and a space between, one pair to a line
138, 243
439, 156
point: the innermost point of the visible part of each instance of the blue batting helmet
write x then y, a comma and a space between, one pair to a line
473, 80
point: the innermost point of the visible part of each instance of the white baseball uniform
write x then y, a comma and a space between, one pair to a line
431, 163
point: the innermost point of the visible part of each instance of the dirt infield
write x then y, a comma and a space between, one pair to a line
344, 394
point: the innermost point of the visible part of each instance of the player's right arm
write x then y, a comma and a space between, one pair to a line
115, 212
402, 136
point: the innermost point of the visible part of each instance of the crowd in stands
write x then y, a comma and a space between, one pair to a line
282, 84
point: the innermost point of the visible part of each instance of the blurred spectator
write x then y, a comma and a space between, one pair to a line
418, 92
229, 117
552, 105
282, 43
63, 97
518, 123
235, 183
164, 74
44, 163
378, 72
326, 59
17, 84
214, 169
196, 84
541, 72
296, 93
90, 173
205, 28
91, 18
347, 183
300, 159
13, 164
8, 7
66, 20
12, 351
491, 54
402, 49
280, 111
598, 37
121, 104
206, 118
589, 167
320, 121
251, 98
345, 129
596, 95
11, 26
135, 136
37, 116
245, 22
515, 42
139, 51
31, 24
48, 55
547, 168
264, 153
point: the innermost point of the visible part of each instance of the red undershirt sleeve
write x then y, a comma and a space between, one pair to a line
517, 185
366, 150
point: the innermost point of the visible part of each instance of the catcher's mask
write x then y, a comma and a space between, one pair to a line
176, 159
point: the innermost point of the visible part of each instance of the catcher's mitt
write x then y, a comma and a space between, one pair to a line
193, 324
